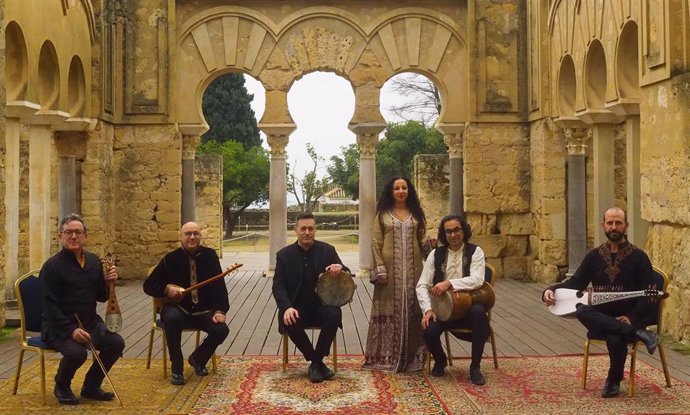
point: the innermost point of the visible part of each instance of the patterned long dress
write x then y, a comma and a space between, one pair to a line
394, 341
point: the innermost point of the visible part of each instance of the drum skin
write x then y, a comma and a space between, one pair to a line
335, 290
453, 305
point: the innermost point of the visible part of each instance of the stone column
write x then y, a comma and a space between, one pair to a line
11, 268
603, 181
67, 186
454, 139
637, 232
40, 160
277, 136
367, 137
577, 196
189, 143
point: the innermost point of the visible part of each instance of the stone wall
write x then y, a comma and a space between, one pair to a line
208, 173
431, 179
3, 249
665, 169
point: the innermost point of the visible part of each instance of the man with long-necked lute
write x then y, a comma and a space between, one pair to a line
203, 308
617, 265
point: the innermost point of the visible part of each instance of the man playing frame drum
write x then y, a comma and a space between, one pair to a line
456, 265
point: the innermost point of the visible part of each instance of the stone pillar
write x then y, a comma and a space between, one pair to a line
454, 140
603, 180
11, 266
577, 196
367, 137
637, 232
40, 159
67, 186
189, 143
277, 136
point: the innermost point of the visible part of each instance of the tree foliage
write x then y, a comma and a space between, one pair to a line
227, 108
246, 173
423, 101
308, 189
344, 170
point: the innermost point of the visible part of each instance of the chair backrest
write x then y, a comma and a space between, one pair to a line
489, 273
661, 283
29, 292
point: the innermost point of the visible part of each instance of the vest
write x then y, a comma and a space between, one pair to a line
440, 256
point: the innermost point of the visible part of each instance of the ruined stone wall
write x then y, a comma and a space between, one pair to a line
208, 173
3, 249
23, 251
145, 197
431, 180
497, 194
665, 169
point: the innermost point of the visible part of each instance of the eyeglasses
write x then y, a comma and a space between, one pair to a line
70, 233
452, 231
193, 233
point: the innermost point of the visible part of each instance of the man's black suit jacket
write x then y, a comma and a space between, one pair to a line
288, 278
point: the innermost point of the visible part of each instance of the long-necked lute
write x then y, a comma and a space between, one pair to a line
161, 301
113, 314
567, 299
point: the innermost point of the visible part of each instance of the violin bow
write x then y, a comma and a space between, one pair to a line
100, 362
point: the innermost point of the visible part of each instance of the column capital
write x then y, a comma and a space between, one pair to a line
367, 144
576, 140
277, 144
189, 144
454, 143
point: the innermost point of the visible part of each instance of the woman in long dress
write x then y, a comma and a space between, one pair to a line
395, 341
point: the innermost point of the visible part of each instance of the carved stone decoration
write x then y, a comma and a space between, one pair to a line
277, 144
367, 145
454, 143
189, 144
577, 140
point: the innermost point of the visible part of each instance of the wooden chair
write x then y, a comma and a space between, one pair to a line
489, 273
286, 338
28, 291
661, 282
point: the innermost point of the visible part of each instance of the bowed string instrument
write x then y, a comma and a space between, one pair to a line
113, 315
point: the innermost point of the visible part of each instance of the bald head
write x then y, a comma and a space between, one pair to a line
190, 236
615, 211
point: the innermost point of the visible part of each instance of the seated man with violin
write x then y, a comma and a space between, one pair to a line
297, 271
202, 309
73, 281
455, 265
616, 265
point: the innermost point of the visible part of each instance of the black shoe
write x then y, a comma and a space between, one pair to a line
65, 396
96, 394
177, 379
476, 376
315, 373
611, 389
326, 372
199, 369
650, 339
439, 369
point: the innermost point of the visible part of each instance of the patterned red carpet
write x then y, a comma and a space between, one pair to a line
255, 385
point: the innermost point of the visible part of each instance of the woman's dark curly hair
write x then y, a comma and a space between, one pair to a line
386, 201
466, 229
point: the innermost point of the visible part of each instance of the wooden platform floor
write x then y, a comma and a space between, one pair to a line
522, 325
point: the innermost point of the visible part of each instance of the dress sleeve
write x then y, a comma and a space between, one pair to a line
377, 247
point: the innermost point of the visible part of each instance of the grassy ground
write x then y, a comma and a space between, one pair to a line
343, 240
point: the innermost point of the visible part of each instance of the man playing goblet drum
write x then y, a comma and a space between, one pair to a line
457, 265
298, 267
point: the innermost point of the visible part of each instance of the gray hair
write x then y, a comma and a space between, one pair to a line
69, 218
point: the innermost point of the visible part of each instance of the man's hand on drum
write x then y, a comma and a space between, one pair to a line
334, 269
438, 289
290, 316
549, 298
428, 316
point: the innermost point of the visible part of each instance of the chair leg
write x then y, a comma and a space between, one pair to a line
213, 363
662, 356
42, 357
285, 351
148, 358
633, 360
165, 355
18, 372
335, 354
198, 338
585, 361
450, 354
427, 361
493, 347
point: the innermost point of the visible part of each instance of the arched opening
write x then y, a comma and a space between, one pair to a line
567, 84
76, 88
595, 76
627, 63
16, 63
48, 77
410, 96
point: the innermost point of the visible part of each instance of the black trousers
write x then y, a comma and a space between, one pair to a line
476, 320
616, 333
328, 318
110, 346
175, 320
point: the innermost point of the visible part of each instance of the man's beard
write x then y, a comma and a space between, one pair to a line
615, 236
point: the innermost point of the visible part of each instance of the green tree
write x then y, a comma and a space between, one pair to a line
344, 170
402, 141
310, 187
246, 173
227, 108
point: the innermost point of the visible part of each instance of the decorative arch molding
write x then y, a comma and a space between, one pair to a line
16, 64
48, 77
594, 79
76, 88
90, 16
627, 68
567, 87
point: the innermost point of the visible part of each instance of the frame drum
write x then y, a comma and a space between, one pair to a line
335, 290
